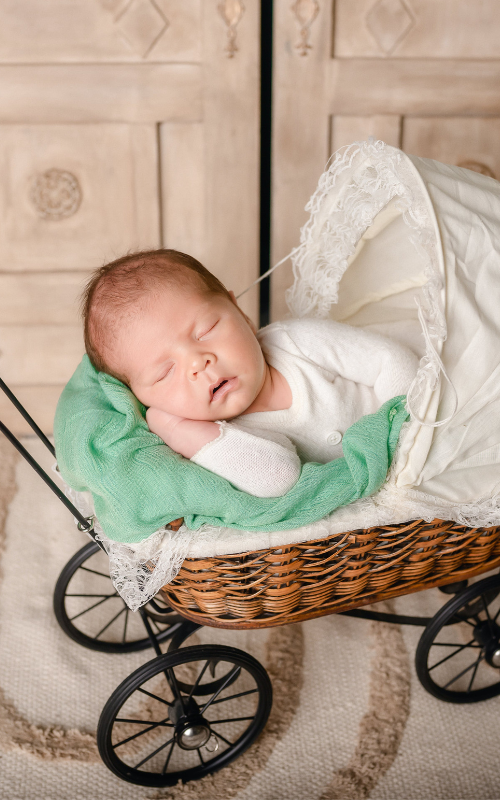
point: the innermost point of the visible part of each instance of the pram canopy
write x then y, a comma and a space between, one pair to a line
405, 233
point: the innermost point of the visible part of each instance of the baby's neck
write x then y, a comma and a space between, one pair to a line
275, 394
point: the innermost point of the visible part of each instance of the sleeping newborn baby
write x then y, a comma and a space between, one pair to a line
248, 406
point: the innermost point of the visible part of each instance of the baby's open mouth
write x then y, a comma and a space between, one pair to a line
216, 389
225, 385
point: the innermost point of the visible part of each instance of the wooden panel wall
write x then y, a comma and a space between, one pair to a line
423, 75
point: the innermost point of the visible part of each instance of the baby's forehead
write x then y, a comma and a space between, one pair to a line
189, 300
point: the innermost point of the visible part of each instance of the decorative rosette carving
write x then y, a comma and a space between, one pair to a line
55, 194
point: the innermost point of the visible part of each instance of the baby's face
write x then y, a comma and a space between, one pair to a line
192, 354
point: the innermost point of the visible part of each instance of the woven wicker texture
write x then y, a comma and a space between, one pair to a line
324, 576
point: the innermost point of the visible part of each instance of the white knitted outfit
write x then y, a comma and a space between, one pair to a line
337, 374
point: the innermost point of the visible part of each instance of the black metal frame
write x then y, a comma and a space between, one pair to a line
84, 524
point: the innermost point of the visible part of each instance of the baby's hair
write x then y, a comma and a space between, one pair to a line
114, 292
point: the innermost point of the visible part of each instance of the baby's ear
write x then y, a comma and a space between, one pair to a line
233, 298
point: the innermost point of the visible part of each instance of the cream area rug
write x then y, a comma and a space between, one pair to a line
349, 719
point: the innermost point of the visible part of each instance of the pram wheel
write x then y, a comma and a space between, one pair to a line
92, 613
458, 655
154, 733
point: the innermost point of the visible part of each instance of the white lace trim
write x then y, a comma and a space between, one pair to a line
137, 571
370, 175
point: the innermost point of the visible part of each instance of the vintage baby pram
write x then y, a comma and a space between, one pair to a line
395, 229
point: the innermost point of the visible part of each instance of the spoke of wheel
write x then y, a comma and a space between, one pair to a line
91, 607
198, 679
154, 696
235, 719
467, 621
234, 696
454, 644
220, 736
165, 766
234, 671
141, 733
472, 679
124, 637
490, 621
153, 754
171, 679
110, 622
201, 757
496, 615
95, 572
471, 666
147, 722
485, 606
450, 655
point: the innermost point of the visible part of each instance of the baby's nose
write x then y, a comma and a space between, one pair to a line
200, 364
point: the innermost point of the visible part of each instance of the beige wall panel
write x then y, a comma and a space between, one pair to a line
346, 130
300, 133
372, 86
417, 28
45, 298
39, 354
232, 143
35, 31
110, 197
98, 93
470, 142
39, 401
183, 187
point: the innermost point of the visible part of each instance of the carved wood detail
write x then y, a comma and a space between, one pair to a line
389, 22
305, 12
140, 22
477, 166
55, 194
231, 12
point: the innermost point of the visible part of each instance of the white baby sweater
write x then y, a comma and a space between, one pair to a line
337, 374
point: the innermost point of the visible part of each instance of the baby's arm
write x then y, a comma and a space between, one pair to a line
361, 356
265, 466
185, 436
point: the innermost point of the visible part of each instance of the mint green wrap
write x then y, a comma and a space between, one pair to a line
104, 446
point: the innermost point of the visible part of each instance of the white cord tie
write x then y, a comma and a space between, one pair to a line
261, 277
441, 367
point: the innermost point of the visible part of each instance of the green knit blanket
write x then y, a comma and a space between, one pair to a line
104, 446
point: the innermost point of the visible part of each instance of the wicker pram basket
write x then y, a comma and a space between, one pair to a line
290, 584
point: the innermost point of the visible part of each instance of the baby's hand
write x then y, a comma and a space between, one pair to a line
185, 436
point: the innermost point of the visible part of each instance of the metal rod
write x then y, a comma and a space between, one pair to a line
380, 616
31, 422
85, 523
150, 632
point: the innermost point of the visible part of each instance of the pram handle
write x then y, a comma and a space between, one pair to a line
83, 523
31, 422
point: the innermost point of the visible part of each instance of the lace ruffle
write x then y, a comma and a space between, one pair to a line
138, 571
366, 176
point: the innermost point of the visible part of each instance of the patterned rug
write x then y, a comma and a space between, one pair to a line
349, 719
